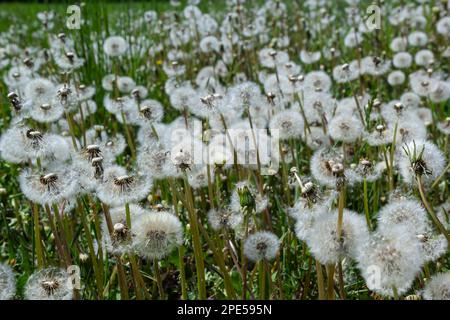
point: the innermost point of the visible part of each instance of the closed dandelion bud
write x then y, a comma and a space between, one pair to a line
246, 199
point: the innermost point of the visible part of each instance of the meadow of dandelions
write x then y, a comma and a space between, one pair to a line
117, 165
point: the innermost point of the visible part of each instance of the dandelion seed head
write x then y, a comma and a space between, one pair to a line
262, 245
7, 282
438, 287
49, 284
49, 187
421, 158
157, 234
323, 239
224, 218
118, 188
119, 239
289, 124
396, 255
405, 212
115, 46
402, 60
346, 129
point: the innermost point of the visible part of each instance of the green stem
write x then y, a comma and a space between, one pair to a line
330, 274
395, 291
128, 215
199, 262
430, 210
37, 237
366, 205
435, 183
181, 251
95, 266
320, 284
262, 280
158, 279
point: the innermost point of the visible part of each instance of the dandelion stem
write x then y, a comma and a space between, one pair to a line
330, 272
37, 237
129, 137
430, 210
181, 251
158, 279
262, 280
395, 292
320, 283
95, 266
71, 130
366, 205
435, 183
231, 294
199, 262
128, 215
120, 270
61, 251
341, 282
391, 158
